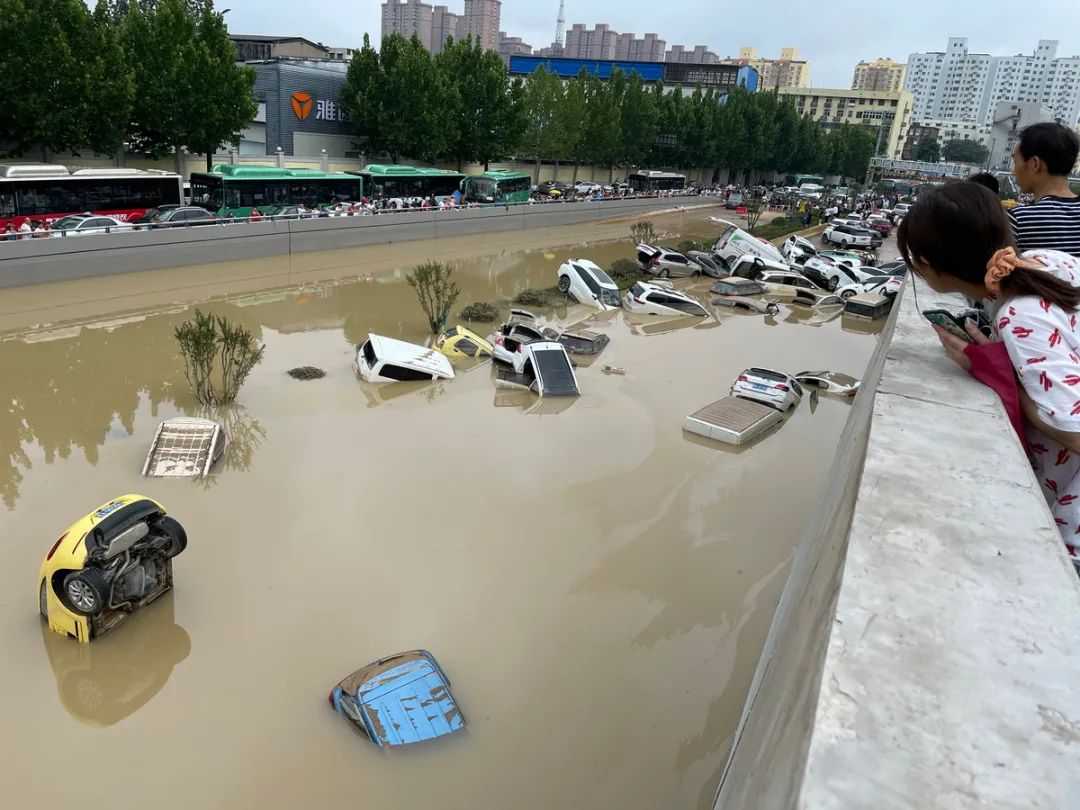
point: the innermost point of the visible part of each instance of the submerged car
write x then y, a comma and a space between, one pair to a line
185, 447
107, 565
797, 249
383, 359
461, 343
757, 305
542, 367
709, 264
773, 388
649, 298
736, 285
399, 700
583, 342
587, 284
522, 328
665, 262
829, 382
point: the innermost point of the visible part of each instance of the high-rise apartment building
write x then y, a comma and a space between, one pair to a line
884, 113
698, 55
787, 71
650, 48
598, 43
444, 23
407, 17
513, 46
881, 74
956, 84
481, 21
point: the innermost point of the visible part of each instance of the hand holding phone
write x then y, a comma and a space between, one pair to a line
949, 322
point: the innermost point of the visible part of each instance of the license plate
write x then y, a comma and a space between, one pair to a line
761, 387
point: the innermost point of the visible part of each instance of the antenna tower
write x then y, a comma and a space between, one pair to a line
560, 27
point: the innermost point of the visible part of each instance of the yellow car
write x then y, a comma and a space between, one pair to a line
460, 343
107, 565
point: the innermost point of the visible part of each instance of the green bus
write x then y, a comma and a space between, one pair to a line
385, 182
498, 187
232, 189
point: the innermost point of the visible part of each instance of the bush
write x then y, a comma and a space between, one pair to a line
686, 245
625, 272
436, 290
218, 357
548, 297
643, 232
781, 226
481, 312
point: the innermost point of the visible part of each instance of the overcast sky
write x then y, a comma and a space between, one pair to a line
833, 35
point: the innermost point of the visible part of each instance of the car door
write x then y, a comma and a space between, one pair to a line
677, 265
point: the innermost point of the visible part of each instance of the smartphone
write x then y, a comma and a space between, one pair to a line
949, 322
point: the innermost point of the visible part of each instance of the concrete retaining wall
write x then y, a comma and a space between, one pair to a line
925, 649
37, 261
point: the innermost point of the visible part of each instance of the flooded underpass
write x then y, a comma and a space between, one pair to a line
596, 583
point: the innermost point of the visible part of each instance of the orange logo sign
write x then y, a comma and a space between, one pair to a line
301, 105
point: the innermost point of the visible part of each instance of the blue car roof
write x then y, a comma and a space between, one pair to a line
407, 700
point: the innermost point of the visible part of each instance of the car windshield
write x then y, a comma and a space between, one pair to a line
69, 222
603, 277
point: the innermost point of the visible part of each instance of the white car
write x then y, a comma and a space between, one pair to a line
522, 328
733, 243
587, 187
383, 359
773, 388
847, 235
587, 284
87, 225
787, 284
850, 257
650, 298
838, 277
829, 382
797, 249
542, 367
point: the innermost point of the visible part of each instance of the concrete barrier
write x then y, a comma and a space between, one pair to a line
38, 261
924, 652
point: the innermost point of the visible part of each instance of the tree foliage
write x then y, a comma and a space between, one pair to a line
218, 356
962, 151
928, 149
436, 291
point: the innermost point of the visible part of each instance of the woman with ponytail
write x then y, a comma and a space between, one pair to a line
957, 238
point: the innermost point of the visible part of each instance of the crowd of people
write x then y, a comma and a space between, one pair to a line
1022, 267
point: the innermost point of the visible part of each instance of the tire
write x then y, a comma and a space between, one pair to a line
564, 284
86, 592
665, 273
176, 533
824, 239
846, 294
43, 604
834, 282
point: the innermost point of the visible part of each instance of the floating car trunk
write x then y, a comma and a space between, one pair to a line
732, 420
542, 367
399, 700
184, 448
583, 342
869, 306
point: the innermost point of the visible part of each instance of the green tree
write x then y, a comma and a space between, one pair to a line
928, 149
360, 96
602, 130
543, 94
65, 74
962, 151
570, 123
637, 120
480, 101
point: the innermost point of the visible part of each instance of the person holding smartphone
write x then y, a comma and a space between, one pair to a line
958, 239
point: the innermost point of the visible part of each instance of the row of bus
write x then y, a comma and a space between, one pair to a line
39, 191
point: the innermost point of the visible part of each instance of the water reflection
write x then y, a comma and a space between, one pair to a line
103, 682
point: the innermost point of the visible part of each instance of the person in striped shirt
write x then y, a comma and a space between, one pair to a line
1042, 159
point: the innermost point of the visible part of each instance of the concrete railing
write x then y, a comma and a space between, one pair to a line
926, 649
36, 261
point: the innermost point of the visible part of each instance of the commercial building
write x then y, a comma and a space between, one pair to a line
342, 54
251, 47
887, 114
721, 78
881, 74
787, 71
955, 84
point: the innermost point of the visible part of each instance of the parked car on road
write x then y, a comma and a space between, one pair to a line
648, 298
552, 188
733, 201
383, 359
175, 216
850, 236
773, 388
587, 187
87, 225
588, 284
107, 565
880, 225
665, 262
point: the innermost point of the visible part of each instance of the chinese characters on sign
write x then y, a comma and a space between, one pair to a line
329, 111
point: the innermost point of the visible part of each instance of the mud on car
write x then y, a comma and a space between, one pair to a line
107, 565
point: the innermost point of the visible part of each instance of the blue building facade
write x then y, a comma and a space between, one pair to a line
719, 77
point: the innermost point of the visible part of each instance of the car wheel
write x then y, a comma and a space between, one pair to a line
834, 282
846, 294
564, 284
175, 533
86, 591
43, 601
665, 273
824, 239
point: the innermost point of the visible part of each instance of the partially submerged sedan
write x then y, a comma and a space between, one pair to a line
399, 700
542, 367
772, 388
587, 284
107, 565
522, 328
665, 262
829, 382
650, 298
383, 359
460, 343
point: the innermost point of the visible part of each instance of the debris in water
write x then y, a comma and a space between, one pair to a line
614, 370
306, 373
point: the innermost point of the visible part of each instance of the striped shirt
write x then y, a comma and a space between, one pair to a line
1053, 223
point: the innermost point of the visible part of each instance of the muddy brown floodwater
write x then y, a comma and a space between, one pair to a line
596, 584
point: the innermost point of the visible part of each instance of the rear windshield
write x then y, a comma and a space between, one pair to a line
768, 375
637, 291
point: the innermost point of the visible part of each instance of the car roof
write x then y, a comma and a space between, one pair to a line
399, 352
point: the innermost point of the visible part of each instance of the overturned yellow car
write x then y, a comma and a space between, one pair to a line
460, 343
107, 565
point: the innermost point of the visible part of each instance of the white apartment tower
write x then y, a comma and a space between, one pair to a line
482, 20
959, 85
407, 17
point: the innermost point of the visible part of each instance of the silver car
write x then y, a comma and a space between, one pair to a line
86, 225
666, 263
